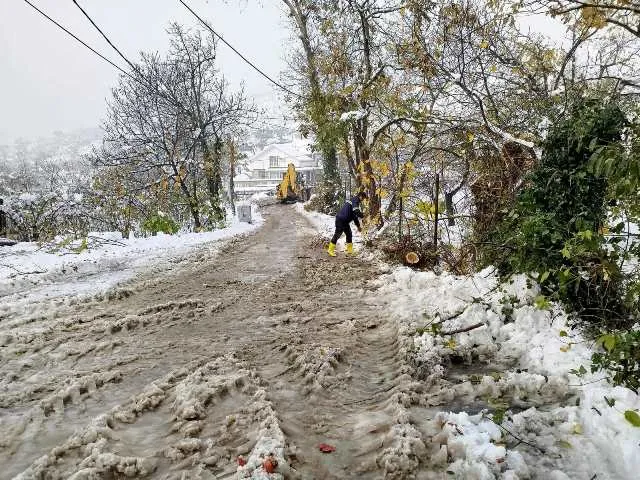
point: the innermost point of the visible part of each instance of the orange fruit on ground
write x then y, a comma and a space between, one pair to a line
269, 464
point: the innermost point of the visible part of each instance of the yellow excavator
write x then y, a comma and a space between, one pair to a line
291, 188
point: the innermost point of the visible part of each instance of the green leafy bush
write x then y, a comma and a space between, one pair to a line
556, 224
160, 223
621, 357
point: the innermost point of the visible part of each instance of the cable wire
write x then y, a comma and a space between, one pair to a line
282, 87
71, 34
77, 39
104, 36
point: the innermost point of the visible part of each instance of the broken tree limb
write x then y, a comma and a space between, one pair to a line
20, 272
464, 329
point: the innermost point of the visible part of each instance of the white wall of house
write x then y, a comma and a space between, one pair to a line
264, 171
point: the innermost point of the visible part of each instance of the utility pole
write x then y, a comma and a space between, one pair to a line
232, 172
435, 223
3, 219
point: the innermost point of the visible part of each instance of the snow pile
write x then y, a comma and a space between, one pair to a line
270, 444
263, 198
29, 272
469, 441
555, 425
323, 223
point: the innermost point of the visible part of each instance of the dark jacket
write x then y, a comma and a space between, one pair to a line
350, 212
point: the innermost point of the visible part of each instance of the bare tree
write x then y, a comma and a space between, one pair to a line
168, 124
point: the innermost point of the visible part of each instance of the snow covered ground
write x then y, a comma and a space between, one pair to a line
563, 426
34, 273
515, 364
275, 348
324, 224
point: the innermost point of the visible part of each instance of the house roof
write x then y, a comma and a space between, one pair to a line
296, 151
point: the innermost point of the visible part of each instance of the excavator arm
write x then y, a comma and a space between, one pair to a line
289, 189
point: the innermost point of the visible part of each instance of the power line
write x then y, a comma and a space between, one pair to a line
94, 51
282, 87
104, 36
76, 38
132, 77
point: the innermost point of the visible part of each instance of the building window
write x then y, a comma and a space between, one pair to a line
274, 162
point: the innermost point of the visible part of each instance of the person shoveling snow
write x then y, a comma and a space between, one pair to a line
350, 212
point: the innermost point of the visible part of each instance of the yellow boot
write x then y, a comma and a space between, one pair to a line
350, 249
332, 249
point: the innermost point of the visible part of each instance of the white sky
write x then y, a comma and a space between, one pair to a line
50, 82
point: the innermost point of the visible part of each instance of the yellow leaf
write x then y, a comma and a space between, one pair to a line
593, 17
577, 429
484, 44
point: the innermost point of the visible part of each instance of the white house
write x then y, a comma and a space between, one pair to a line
265, 170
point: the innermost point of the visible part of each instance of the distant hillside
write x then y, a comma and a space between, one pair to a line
62, 147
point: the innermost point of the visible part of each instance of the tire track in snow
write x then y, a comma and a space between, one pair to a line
341, 377
268, 347
167, 321
194, 421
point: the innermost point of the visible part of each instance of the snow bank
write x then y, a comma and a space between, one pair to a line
323, 223
29, 270
567, 426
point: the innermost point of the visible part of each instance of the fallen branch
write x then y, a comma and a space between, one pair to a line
520, 440
455, 315
20, 272
464, 329
106, 241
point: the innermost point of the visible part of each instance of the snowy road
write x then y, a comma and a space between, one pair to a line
266, 347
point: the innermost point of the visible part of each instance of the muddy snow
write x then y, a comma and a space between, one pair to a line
241, 358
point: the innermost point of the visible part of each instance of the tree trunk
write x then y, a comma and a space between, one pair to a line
299, 11
330, 165
232, 172
217, 179
375, 204
435, 220
366, 179
194, 208
448, 202
397, 195
213, 175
